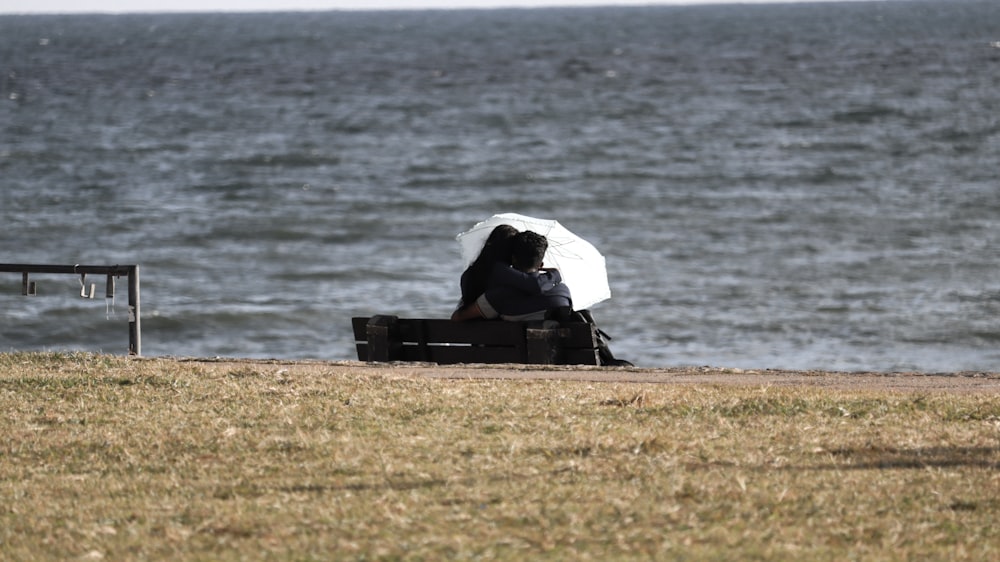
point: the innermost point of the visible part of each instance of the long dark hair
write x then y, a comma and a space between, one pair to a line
496, 249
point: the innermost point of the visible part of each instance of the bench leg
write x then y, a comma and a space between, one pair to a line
383, 338
544, 346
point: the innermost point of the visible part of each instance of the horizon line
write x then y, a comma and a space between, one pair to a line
116, 7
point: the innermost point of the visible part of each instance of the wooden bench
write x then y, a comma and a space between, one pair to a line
388, 338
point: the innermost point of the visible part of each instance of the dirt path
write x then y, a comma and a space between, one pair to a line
903, 382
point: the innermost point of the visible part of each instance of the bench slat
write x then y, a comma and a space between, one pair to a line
498, 333
447, 331
449, 355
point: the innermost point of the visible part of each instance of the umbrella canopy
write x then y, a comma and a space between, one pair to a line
581, 265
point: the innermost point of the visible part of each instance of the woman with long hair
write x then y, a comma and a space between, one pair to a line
496, 250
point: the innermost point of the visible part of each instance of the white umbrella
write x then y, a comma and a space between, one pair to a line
581, 265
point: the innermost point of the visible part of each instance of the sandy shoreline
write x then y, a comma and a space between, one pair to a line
980, 382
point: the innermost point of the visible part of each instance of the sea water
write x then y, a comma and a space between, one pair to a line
806, 186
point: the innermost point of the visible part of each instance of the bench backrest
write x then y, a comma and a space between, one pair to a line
388, 338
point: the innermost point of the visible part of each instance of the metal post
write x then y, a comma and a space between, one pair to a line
134, 329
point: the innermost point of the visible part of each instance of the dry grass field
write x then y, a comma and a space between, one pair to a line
111, 458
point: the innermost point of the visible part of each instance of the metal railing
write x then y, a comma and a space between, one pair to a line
112, 272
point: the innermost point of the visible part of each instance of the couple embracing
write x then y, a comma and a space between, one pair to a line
508, 281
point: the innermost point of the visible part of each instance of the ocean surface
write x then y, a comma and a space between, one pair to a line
802, 186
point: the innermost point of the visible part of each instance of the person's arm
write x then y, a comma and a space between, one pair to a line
552, 278
470, 312
529, 283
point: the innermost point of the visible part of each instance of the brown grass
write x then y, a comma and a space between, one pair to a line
117, 459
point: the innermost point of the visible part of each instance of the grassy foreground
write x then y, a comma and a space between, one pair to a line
110, 458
